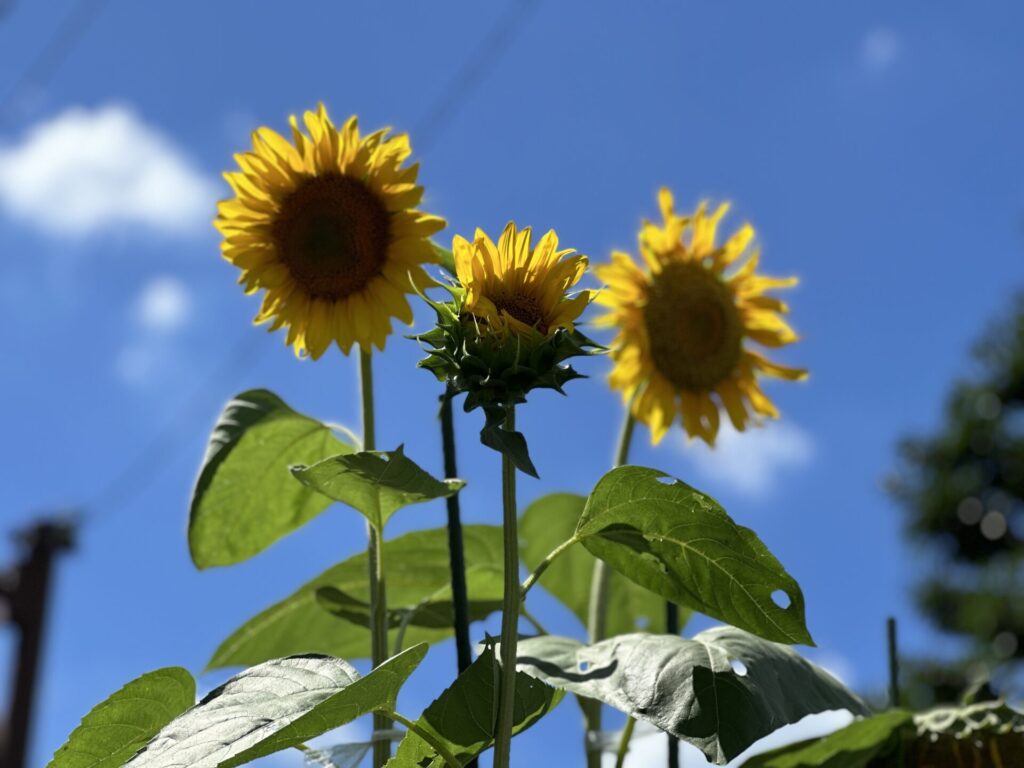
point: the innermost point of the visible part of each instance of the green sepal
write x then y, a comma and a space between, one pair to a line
496, 372
507, 442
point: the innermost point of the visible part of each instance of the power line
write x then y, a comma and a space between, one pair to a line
51, 56
472, 73
145, 464
140, 471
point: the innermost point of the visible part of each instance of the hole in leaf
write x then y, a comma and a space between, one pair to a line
781, 599
584, 666
666, 480
642, 622
738, 667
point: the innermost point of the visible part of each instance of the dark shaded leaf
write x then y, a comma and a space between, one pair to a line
375, 483
462, 718
417, 571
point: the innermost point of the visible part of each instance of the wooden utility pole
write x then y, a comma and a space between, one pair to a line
25, 591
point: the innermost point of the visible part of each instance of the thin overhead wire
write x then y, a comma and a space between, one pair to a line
475, 69
144, 465
141, 470
50, 58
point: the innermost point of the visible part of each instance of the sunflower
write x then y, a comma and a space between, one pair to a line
327, 228
683, 323
514, 288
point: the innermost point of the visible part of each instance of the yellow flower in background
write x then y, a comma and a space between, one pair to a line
326, 225
513, 287
683, 322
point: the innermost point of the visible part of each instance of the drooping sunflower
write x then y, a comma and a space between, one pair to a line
326, 225
512, 287
683, 323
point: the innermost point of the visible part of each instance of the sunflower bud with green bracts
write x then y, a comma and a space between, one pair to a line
509, 327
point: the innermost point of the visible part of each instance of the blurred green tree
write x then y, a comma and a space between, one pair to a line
962, 489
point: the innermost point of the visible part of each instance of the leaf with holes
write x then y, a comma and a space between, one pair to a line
117, 728
550, 521
462, 717
854, 746
275, 706
721, 691
245, 498
418, 572
375, 483
679, 543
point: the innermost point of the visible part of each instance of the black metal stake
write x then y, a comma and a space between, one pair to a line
672, 628
894, 664
456, 553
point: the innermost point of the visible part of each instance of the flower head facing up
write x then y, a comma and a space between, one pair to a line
514, 288
509, 327
326, 226
683, 322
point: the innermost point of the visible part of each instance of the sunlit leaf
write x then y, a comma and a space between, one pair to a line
551, 520
117, 728
245, 498
721, 691
679, 543
274, 706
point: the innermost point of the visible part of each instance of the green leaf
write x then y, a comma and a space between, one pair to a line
375, 483
417, 572
434, 612
551, 520
274, 706
507, 442
121, 725
462, 717
986, 733
721, 691
445, 259
245, 498
680, 543
855, 746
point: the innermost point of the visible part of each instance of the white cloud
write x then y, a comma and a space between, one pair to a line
649, 746
879, 50
751, 462
85, 171
160, 311
163, 305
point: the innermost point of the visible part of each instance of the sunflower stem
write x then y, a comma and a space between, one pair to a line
510, 607
627, 734
375, 559
597, 611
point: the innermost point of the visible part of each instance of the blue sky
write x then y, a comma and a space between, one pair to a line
875, 147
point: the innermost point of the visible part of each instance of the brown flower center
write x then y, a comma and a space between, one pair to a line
332, 233
694, 328
524, 308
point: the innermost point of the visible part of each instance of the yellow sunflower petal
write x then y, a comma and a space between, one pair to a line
317, 282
